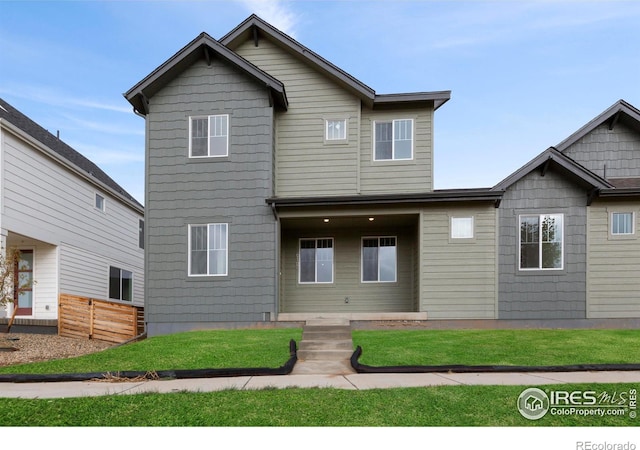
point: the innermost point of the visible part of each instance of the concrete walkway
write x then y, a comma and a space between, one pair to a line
351, 382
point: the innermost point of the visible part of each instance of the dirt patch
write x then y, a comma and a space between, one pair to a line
44, 347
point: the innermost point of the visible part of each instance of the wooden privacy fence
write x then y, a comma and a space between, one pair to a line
89, 318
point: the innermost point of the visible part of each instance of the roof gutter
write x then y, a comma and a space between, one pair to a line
70, 166
479, 195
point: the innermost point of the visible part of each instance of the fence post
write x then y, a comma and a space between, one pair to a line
91, 317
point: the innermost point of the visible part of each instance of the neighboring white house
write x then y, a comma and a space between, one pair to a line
77, 230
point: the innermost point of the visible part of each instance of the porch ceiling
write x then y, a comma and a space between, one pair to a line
355, 222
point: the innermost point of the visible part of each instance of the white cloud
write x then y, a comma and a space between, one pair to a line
276, 12
51, 97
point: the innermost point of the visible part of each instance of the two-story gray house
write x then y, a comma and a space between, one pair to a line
279, 188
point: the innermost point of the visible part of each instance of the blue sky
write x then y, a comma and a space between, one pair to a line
523, 75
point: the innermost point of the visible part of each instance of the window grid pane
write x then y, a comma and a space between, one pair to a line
336, 130
403, 137
379, 259
316, 261
622, 223
541, 242
218, 140
199, 136
384, 140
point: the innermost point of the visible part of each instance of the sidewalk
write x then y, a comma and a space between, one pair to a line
350, 381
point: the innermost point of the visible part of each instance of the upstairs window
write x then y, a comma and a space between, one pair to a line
393, 140
316, 260
208, 249
99, 202
379, 259
336, 130
209, 136
120, 284
622, 223
541, 242
141, 234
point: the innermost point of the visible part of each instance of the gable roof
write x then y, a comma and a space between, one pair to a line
203, 46
619, 111
255, 28
14, 120
549, 156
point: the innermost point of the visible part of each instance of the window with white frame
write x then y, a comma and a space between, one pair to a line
462, 228
622, 223
209, 136
120, 284
379, 259
336, 130
541, 242
316, 260
393, 140
100, 202
208, 249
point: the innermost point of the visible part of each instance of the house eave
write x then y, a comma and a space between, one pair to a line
203, 46
619, 193
438, 196
134, 205
544, 159
438, 98
612, 113
253, 22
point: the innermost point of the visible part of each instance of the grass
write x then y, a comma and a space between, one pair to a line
497, 347
443, 406
481, 406
190, 350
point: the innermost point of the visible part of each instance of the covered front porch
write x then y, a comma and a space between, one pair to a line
361, 265
37, 272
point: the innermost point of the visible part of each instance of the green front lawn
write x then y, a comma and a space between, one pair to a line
430, 406
497, 347
191, 350
408, 407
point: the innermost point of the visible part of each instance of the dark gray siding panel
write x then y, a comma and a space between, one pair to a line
609, 153
543, 294
183, 191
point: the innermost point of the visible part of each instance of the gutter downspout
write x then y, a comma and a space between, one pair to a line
276, 262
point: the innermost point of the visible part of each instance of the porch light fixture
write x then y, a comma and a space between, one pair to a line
326, 220
371, 219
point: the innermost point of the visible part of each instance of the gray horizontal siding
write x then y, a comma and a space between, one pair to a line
458, 277
305, 166
398, 176
543, 294
609, 153
613, 277
183, 191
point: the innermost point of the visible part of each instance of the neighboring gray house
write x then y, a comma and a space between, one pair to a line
78, 232
279, 188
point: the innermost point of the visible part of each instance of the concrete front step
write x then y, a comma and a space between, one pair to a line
329, 322
326, 336
325, 355
342, 344
322, 368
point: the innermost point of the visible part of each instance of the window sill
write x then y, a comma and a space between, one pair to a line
541, 272
622, 237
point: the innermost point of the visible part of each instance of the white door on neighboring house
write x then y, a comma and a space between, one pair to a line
23, 298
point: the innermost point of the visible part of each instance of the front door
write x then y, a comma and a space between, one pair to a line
23, 280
